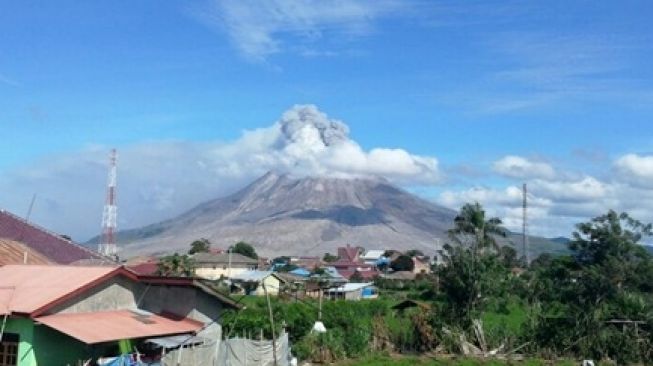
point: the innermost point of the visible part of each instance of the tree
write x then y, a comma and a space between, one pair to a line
245, 249
403, 263
607, 277
176, 266
200, 246
473, 229
328, 257
471, 269
508, 256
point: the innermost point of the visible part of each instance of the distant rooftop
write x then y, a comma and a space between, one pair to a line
223, 258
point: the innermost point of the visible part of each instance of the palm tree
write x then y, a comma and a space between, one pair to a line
471, 225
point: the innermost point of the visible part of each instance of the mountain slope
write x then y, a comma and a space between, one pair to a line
281, 215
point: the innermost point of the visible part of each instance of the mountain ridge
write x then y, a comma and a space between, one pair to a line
279, 214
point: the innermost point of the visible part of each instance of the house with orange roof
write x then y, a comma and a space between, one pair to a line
68, 315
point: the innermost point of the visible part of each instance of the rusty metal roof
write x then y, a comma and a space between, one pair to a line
105, 326
13, 252
36, 286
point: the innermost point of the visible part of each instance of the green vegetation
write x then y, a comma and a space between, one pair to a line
176, 265
403, 263
200, 246
594, 303
245, 249
328, 258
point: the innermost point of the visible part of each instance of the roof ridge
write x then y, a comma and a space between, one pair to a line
52, 233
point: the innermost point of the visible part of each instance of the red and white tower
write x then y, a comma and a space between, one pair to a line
107, 244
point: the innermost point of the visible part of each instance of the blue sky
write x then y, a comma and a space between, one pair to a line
566, 84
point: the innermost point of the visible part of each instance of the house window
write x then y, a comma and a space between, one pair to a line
9, 350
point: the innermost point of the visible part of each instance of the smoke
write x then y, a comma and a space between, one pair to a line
158, 180
308, 126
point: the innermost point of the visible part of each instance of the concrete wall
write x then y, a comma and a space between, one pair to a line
116, 294
272, 283
215, 272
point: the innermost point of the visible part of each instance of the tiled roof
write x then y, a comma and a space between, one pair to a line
50, 245
13, 252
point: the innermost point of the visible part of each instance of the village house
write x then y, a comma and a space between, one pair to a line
58, 315
213, 266
372, 256
258, 282
352, 291
421, 265
349, 263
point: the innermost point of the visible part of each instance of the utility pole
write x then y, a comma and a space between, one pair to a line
525, 223
274, 339
107, 245
229, 266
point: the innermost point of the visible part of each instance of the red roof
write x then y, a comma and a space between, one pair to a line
367, 275
51, 245
348, 253
29, 288
105, 326
34, 289
144, 269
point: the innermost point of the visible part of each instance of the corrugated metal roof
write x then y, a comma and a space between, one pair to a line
252, 276
373, 254
105, 326
13, 252
56, 248
349, 287
38, 285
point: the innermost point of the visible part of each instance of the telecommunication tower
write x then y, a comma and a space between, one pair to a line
525, 223
107, 244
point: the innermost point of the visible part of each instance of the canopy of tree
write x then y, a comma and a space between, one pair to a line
245, 249
176, 266
200, 246
403, 263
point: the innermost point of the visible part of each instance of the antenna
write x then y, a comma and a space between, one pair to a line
107, 244
31, 206
525, 223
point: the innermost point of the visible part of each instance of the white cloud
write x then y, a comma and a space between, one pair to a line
587, 188
157, 180
636, 169
521, 168
256, 28
555, 206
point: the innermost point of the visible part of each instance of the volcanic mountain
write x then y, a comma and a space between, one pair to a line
281, 215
